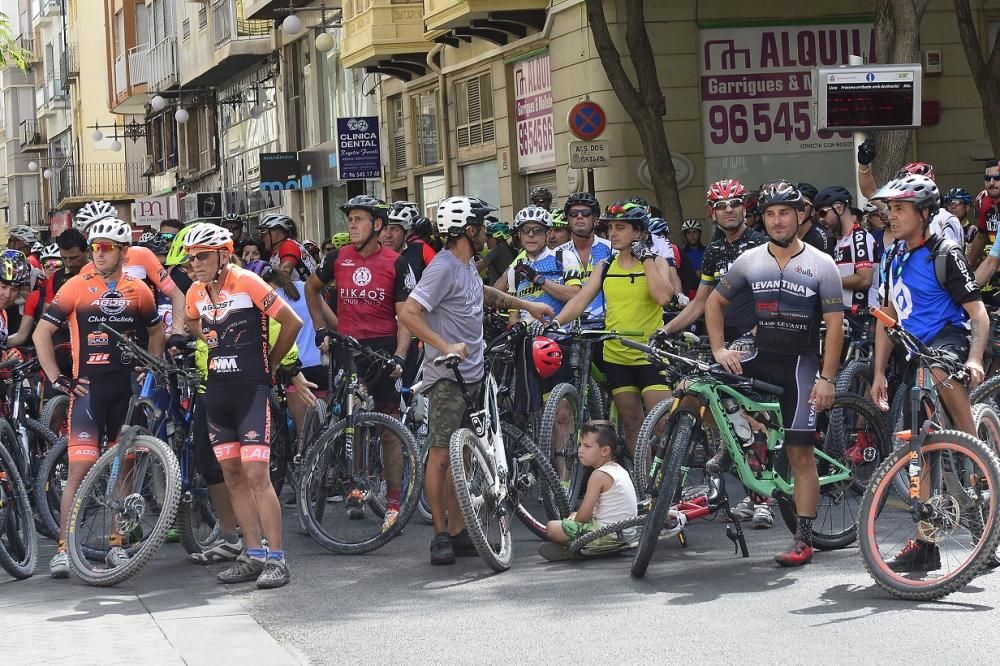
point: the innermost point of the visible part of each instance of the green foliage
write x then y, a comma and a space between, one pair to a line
10, 52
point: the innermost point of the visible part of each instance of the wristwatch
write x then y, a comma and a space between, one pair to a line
827, 379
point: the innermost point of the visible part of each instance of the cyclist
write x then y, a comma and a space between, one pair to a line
636, 287
694, 249
809, 192
15, 273
988, 212
394, 236
792, 284
541, 197
559, 234
939, 314
582, 210
21, 238
35, 302
876, 220
500, 255
237, 227
277, 233
372, 282
958, 202
811, 233
679, 270
312, 248
854, 256
228, 308
100, 387
423, 231
446, 312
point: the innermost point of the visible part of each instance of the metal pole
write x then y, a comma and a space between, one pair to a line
859, 138
590, 182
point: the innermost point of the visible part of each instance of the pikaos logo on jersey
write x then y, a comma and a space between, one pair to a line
362, 277
111, 303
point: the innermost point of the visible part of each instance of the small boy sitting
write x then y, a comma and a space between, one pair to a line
610, 495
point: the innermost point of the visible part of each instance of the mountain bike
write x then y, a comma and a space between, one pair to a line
936, 492
18, 542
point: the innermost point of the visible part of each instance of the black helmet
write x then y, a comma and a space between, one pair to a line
582, 199
231, 220
779, 192
540, 192
422, 227
376, 207
808, 190
831, 195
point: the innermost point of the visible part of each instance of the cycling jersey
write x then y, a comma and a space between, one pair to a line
819, 237
546, 265
600, 251
86, 302
855, 251
923, 306
630, 307
989, 218
142, 264
235, 326
946, 225
290, 250
415, 257
662, 247
368, 289
789, 301
4, 333
719, 256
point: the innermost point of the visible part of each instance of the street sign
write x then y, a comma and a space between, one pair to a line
589, 154
587, 120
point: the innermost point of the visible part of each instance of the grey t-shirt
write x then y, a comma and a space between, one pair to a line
452, 295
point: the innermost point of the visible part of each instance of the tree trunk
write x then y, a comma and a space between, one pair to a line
897, 40
986, 74
640, 100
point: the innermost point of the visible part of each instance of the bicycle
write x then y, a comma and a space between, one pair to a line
761, 467
939, 485
18, 542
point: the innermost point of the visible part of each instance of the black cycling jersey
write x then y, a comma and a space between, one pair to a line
820, 238
719, 257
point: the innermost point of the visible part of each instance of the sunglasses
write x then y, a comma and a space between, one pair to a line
201, 256
727, 203
103, 246
993, 177
52, 264
167, 236
580, 213
533, 231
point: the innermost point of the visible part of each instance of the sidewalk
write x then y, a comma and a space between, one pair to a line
173, 612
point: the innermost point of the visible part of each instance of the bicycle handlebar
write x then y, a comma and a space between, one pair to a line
916, 346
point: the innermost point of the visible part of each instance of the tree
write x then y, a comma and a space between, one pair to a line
641, 99
9, 51
986, 73
897, 40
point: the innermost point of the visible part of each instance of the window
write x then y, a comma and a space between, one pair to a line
398, 128
430, 190
206, 138
119, 33
425, 121
161, 142
141, 25
196, 142
186, 28
202, 17
482, 180
163, 22
475, 111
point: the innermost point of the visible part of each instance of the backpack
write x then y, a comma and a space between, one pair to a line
939, 251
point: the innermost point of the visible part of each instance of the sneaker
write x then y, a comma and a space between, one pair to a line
275, 574
744, 510
762, 518
442, 551
390, 519
59, 565
553, 552
720, 462
220, 551
462, 544
916, 556
797, 554
116, 557
244, 569
356, 505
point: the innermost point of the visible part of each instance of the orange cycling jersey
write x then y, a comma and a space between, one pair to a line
235, 326
142, 264
86, 302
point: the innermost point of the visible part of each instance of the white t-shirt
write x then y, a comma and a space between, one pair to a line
619, 502
946, 225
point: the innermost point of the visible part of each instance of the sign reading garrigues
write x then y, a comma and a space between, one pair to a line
756, 86
359, 156
533, 110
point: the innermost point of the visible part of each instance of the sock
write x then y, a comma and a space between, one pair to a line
62, 546
276, 555
230, 537
257, 554
805, 530
392, 499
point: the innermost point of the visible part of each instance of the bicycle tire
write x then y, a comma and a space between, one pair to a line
280, 444
665, 489
79, 562
315, 465
847, 384
43, 523
646, 442
872, 508
18, 542
539, 471
194, 512
578, 544
988, 391
988, 430
596, 406
313, 423
55, 415
49, 484
424, 513
563, 392
465, 443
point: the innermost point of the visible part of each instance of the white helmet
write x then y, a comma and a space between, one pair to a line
921, 191
92, 212
454, 214
51, 252
403, 213
37, 247
110, 228
23, 233
533, 214
208, 236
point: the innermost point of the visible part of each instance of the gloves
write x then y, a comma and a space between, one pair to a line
399, 361
682, 299
538, 327
641, 251
526, 272
660, 339
866, 151
65, 384
321, 335
178, 342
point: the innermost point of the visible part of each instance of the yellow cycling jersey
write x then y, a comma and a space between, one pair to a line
629, 306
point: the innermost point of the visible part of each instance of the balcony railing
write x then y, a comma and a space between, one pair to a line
137, 64
33, 214
228, 23
95, 180
121, 77
4, 196
27, 46
69, 63
55, 94
32, 134
380, 29
161, 63
40, 93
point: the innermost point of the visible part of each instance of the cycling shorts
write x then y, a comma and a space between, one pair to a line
98, 414
239, 422
633, 378
204, 457
797, 375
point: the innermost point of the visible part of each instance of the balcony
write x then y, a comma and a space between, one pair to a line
497, 21
265, 9
69, 63
240, 44
386, 37
44, 11
50, 96
137, 62
33, 215
161, 65
75, 183
229, 23
33, 135
27, 46
130, 75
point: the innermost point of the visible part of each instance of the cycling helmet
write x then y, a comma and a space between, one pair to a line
627, 211
532, 214
957, 194
310, 245
921, 191
147, 237
691, 225
341, 239
454, 214
176, 255
23, 233
870, 208
37, 247
721, 190
808, 190
779, 192
639, 201
423, 227
745, 345
750, 204
277, 221
403, 213
916, 169
15, 270
50, 252
376, 207
540, 193
232, 220
110, 228
582, 199
558, 218
208, 236
831, 195
159, 245
258, 266
547, 356
658, 226
92, 212
498, 229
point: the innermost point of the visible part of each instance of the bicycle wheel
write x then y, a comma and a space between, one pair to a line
654, 427
313, 423
962, 480
987, 392
357, 528
853, 379
280, 444
534, 480
487, 519
55, 416
665, 487
52, 476
18, 542
561, 442
196, 522
42, 440
131, 493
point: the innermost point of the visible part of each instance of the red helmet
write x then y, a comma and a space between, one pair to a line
547, 356
725, 189
916, 169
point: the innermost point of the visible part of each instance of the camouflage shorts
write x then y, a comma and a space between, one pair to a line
447, 411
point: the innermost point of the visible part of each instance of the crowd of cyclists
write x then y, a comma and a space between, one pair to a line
787, 264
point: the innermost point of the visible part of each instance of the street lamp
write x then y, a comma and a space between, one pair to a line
182, 116
97, 136
116, 145
324, 42
158, 103
32, 165
47, 174
292, 24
